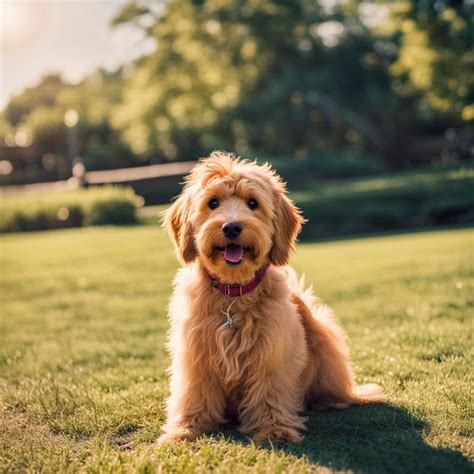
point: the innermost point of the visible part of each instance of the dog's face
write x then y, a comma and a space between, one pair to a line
235, 217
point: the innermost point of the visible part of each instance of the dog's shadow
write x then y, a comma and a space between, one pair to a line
377, 438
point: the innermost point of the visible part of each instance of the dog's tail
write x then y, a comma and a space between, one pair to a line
319, 310
297, 286
368, 393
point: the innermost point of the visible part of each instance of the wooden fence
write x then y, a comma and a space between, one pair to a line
156, 183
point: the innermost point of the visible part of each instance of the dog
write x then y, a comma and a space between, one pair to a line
248, 342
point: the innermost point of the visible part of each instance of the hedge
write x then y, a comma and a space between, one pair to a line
381, 204
71, 208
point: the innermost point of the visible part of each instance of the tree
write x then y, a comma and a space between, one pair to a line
435, 62
43, 94
38, 112
273, 76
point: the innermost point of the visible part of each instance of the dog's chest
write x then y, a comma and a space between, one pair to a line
235, 346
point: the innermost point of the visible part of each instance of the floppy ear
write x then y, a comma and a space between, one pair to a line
288, 222
176, 221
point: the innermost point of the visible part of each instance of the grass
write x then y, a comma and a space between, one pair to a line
82, 356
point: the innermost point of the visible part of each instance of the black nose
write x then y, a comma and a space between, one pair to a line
232, 229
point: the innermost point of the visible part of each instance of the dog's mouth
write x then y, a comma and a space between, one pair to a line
233, 254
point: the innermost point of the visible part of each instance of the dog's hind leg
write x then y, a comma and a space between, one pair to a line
328, 375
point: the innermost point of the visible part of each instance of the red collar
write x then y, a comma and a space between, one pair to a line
239, 290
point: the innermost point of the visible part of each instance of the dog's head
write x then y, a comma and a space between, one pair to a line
235, 216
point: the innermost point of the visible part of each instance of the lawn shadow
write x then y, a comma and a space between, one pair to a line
373, 439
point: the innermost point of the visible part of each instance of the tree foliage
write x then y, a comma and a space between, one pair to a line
282, 77
39, 111
435, 61
42, 95
295, 78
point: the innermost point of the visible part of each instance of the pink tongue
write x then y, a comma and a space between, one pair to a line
233, 253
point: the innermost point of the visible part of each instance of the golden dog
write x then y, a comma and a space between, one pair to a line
247, 341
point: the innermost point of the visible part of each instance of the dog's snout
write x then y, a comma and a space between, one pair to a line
232, 229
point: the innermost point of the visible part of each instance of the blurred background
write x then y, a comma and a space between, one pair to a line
366, 108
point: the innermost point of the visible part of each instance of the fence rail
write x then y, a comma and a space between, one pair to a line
117, 176
125, 175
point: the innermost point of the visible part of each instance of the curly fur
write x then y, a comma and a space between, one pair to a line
285, 351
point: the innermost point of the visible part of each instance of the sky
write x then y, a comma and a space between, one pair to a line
72, 37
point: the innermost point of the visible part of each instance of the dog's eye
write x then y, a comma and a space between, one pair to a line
213, 203
252, 204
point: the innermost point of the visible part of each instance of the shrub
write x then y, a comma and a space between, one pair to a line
72, 208
326, 165
407, 200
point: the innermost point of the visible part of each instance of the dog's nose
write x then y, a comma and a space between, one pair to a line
232, 229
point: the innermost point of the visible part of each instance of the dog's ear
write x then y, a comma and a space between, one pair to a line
177, 222
288, 222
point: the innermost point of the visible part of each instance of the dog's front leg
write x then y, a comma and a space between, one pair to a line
195, 407
269, 409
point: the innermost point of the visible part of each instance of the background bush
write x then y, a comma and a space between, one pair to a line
387, 203
72, 208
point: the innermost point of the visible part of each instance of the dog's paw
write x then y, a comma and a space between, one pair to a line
277, 433
175, 436
167, 438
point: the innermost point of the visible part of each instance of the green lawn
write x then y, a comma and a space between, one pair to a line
82, 355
